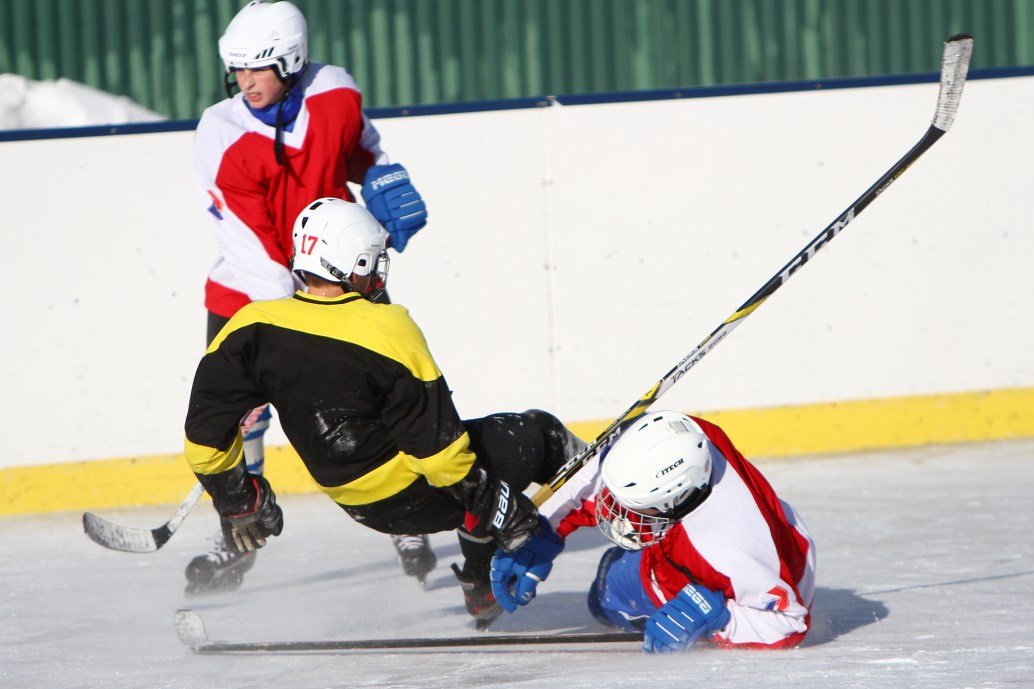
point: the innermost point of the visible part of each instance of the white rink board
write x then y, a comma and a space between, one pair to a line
573, 256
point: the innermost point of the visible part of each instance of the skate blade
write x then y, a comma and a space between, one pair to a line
483, 623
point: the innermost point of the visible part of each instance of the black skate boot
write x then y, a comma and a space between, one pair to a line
220, 569
475, 579
477, 596
415, 556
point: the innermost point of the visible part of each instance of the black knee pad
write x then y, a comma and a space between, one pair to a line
561, 444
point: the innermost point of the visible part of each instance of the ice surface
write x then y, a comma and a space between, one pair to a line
925, 579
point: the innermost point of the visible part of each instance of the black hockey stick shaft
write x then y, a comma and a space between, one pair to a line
416, 643
128, 539
190, 629
954, 68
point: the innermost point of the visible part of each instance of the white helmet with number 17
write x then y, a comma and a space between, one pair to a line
336, 240
657, 471
266, 35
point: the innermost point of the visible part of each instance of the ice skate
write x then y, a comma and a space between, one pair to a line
477, 596
415, 556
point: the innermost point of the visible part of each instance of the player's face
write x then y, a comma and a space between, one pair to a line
262, 87
362, 283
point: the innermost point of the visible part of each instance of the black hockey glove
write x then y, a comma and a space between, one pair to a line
502, 512
247, 531
247, 508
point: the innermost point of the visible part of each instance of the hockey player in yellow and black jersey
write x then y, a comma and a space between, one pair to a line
362, 401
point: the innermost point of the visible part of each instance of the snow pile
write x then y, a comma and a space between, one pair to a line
28, 104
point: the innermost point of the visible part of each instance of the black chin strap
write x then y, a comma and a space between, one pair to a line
228, 85
345, 280
690, 503
278, 138
292, 82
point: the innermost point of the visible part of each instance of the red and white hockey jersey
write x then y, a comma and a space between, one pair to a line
742, 541
252, 201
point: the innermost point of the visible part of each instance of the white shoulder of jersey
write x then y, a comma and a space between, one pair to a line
573, 495
319, 78
222, 124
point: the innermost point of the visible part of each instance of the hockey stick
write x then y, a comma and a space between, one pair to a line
190, 629
954, 67
132, 540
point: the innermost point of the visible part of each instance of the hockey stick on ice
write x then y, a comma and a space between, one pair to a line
132, 540
954, 67
190, 629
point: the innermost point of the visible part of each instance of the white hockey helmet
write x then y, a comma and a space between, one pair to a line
266, 34
657, 471
335, 239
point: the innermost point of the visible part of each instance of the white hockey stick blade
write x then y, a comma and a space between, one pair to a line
954, 68
190, 629
128, 539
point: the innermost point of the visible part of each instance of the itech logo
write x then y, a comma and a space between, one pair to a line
668, 469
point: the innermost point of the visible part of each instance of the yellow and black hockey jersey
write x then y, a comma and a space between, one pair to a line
356, 390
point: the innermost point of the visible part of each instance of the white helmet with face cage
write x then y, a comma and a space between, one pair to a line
657, 471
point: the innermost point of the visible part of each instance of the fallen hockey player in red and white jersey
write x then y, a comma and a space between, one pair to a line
707, 549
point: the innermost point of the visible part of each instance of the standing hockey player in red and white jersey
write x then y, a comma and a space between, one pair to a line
707, 548
295, 131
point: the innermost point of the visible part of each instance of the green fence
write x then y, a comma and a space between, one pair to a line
162, 53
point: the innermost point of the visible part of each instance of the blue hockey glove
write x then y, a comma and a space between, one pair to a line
391, 198
682, 620
516, 575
